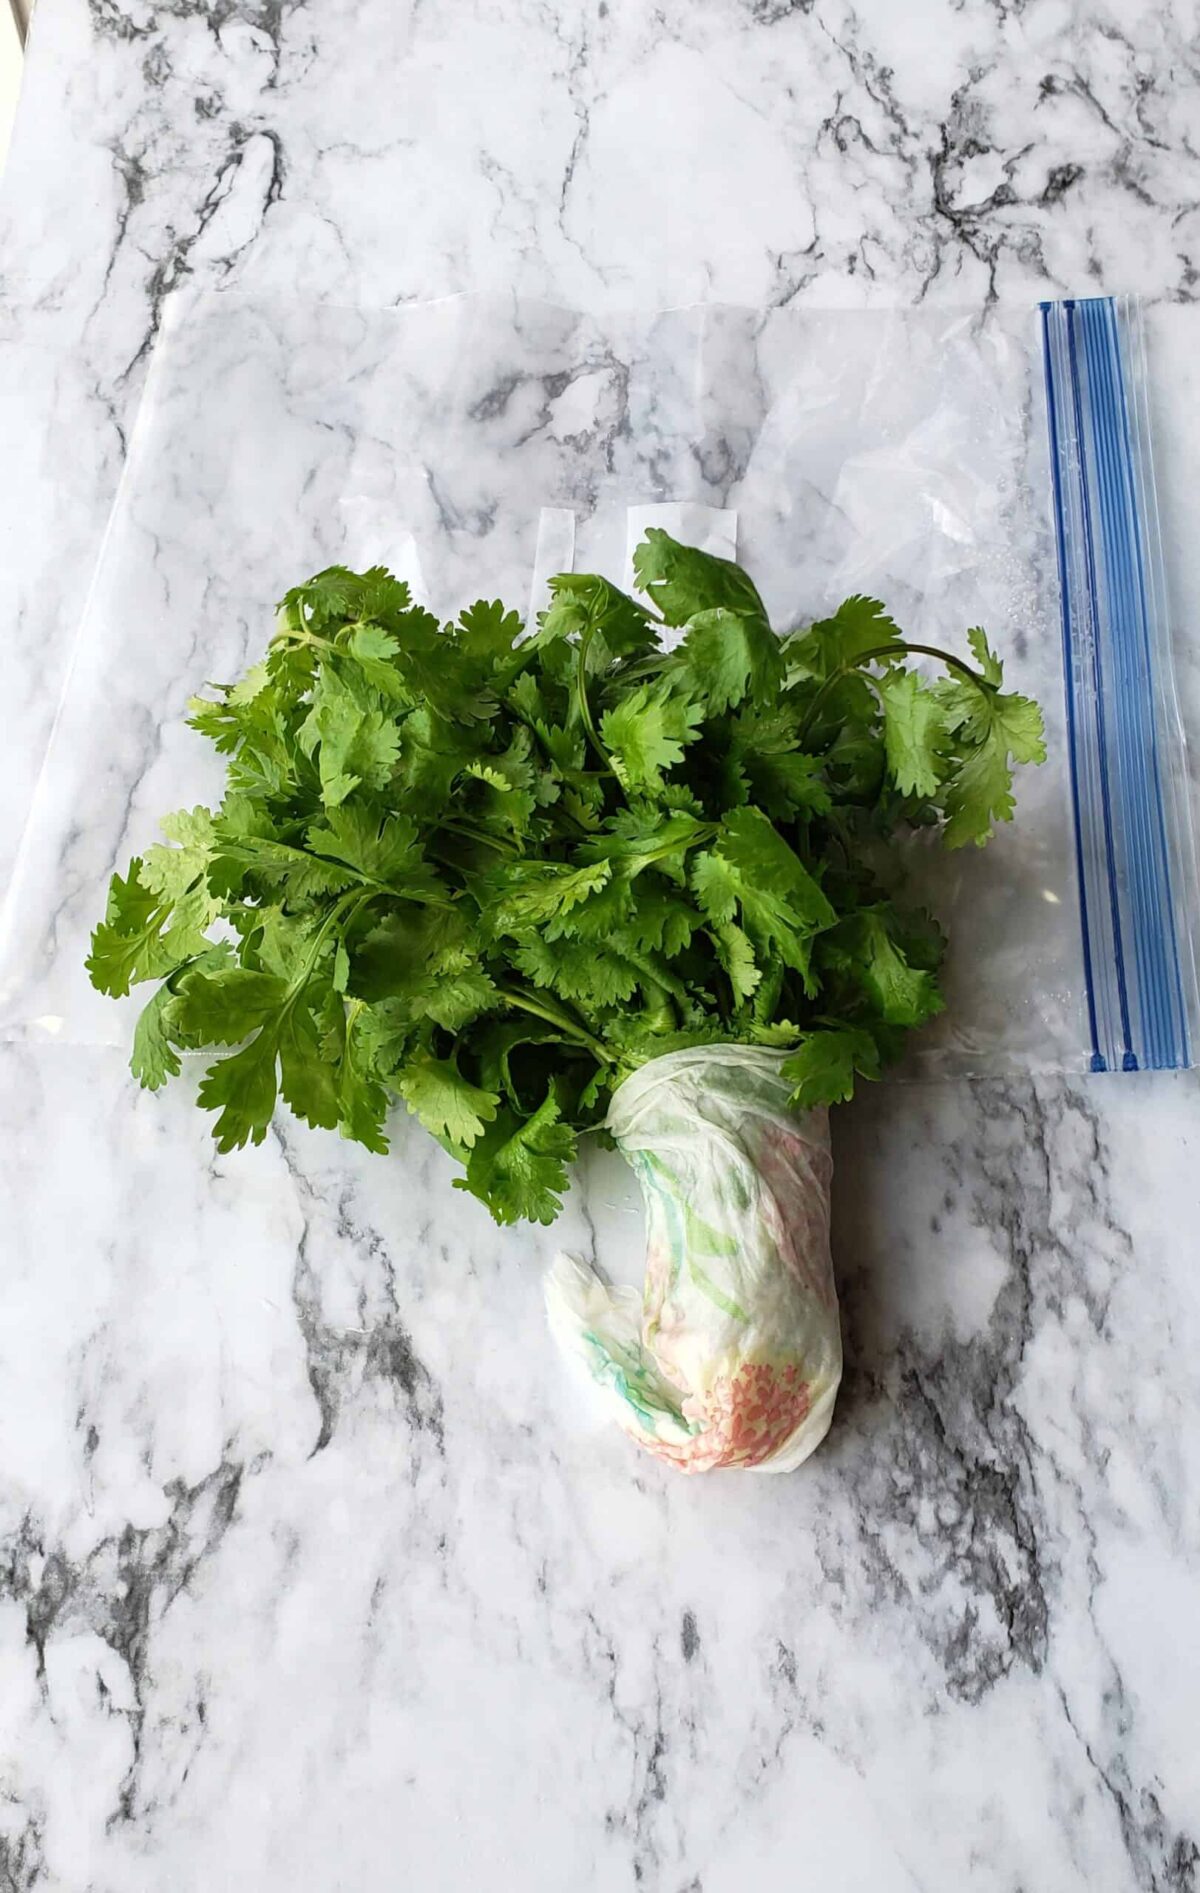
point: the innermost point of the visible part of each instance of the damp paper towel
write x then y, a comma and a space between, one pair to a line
732, 1354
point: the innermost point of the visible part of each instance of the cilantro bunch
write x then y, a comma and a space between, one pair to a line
491, 874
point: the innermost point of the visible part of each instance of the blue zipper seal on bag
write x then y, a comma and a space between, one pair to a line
1137, 968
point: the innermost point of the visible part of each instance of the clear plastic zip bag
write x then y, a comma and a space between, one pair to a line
967, 470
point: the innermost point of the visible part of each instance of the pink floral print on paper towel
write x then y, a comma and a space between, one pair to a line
743, 1418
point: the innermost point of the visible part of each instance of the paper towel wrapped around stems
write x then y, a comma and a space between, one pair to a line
732, 1354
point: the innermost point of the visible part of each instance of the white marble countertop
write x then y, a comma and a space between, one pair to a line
304, 1583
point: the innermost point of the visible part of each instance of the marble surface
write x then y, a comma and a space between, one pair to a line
312, 1572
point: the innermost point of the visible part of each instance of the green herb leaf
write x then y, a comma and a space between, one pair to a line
446, 1103
383, 849
243, 1089
352, 741
143, 934
823, 1066
752, 869
993, 729
914, 733
520, 1169
224, 1007
683, 581
899, 991
647, 733
154, 1058
857, 626
730, 657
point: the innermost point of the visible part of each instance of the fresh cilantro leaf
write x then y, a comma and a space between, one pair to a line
433, 752
154, 1058
509, 794
751, 868
864, 947
251, 686
127, 944
142, 936
772, 768
243, 1089
278, 941
730, 657
353, 742
682, 581
520, 1169
341, 968
579, 969
641, 1036
857, 626
601, 914
174, 872
410, 661
780, 1035
409, 952
489, 631
1015, 724
659, 921
256, 733
642, 837
219, 719
447, 1104
298, 875
717, 887
308, 1081
362, 1100
914, 733
226, 1006
615, 624
647, 732
381, 848
455, 999
375, 651
989, 664
823, 1066
993, 729
382, 599
978, 793
737, 957
529, 894
509, 770
327, 598
387, 1035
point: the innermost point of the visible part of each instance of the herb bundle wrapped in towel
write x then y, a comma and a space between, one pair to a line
732, 1355
539, 887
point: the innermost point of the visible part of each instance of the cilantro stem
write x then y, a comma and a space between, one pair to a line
903, 646
659, 977
470, 833
348, 905
246, 855
565, 1021
704, 832
585, 708
291, 627
900, 648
